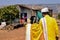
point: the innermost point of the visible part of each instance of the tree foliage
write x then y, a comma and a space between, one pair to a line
9, 12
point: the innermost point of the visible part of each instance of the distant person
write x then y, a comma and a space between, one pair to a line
48, 26
21, 21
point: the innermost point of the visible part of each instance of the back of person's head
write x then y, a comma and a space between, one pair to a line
45, 11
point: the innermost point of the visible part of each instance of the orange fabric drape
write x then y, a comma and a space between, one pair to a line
41, 37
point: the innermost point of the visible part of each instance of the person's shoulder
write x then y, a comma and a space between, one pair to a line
41, 18
53, 19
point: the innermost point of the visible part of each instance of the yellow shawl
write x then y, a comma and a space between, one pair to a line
36, 32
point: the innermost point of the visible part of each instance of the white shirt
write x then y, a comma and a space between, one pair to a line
28, 31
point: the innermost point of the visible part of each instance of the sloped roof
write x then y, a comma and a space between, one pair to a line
33, 7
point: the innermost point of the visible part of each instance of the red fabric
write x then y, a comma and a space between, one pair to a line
21, 21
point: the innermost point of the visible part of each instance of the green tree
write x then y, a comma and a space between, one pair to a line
9, 12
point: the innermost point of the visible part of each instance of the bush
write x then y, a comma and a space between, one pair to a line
9, 13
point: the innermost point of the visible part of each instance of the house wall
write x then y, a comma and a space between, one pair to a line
55, 15
33, 13
28, 11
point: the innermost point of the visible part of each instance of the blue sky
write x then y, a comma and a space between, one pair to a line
9, 2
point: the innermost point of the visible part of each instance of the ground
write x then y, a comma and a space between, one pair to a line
16, 34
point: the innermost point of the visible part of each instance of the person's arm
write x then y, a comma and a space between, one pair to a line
40, 26
57, 33
41, 30
56, 29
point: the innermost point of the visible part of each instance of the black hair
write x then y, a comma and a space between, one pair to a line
45, 13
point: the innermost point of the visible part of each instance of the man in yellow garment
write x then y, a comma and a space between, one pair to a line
48, 26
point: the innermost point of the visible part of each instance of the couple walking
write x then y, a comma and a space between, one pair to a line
47, 29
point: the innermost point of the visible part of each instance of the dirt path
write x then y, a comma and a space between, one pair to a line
17, 34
